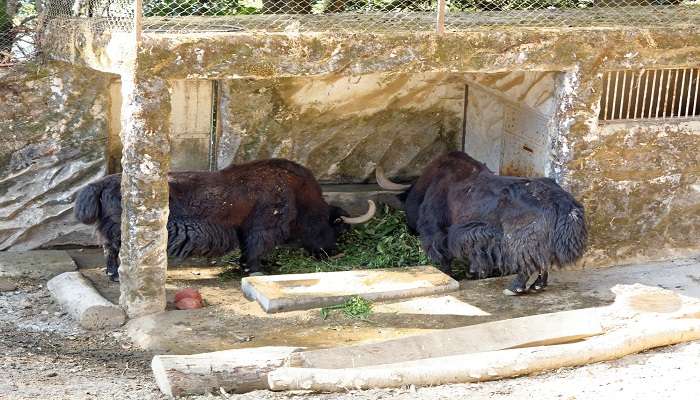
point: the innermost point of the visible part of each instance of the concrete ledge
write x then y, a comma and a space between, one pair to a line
276, 293
37, 264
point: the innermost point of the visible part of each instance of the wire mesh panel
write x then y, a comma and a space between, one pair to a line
289, 15
96, 14
464, 14
18, 21
408, 15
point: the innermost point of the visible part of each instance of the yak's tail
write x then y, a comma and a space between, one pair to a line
480, 244
570, 235
87, 204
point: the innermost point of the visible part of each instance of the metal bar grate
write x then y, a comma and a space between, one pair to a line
650, 94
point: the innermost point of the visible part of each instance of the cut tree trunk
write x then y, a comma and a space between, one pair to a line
85, 304
238, 371
490, 365
545, 329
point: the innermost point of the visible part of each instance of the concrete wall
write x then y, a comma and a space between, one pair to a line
508, 122
640, 183
342, 127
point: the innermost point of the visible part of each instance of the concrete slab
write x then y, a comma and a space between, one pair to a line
230, 321
277, 293
35, 264
442, 305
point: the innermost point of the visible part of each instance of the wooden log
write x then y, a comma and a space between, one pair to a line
238, 371
86, 305
545, 329
491, 365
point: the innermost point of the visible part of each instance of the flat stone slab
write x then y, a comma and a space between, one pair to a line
35, 264
443, 305
276, 293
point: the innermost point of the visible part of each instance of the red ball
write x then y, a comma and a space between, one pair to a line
188, 303
188, 293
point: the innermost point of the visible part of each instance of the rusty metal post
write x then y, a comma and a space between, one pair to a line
440, 27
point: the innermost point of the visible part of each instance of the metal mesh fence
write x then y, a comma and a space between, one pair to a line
588, 13
18, 18
18, 22
96, 14
290, 15
408, 15
177, 16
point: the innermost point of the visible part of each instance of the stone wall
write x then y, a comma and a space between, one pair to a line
640, 183
342, 127
53, 122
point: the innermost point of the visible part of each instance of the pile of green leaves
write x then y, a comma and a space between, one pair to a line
383, 242
355, 307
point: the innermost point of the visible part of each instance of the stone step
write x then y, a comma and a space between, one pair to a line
35, 264
277, 293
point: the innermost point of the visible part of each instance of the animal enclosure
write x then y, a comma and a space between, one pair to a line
343, 87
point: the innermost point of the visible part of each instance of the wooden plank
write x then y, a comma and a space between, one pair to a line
545, 329
239, 371
277, 293
486, 366
36, 264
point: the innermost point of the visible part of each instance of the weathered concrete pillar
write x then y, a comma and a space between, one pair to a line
576, 118
145, 163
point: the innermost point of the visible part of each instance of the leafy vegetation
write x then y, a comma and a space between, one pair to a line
383, 242
355, 307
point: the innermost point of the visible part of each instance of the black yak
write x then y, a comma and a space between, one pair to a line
500, 224
260, 205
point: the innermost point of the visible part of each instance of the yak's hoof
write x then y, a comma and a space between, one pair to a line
257, 274
536, 287
517, 292
113, 277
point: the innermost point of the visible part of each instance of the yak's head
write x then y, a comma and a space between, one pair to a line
386, 184
341, 221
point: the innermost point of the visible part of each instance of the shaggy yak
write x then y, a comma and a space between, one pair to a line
500, 224
260, 205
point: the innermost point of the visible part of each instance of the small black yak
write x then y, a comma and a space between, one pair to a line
500, 224
260, 205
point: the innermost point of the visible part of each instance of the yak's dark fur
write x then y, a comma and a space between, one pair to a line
501, 225
262, 204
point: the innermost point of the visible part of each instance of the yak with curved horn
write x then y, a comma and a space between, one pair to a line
255, 206
500, 224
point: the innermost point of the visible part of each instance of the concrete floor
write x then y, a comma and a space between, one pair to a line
231, 321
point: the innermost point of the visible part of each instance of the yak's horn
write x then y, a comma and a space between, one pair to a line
362, 218
385, 183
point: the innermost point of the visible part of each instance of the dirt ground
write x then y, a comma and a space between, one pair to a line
44, 355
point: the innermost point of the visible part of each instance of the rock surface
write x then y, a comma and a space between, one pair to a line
54, 130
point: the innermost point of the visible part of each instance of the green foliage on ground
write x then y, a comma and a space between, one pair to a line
383, 242
355, 307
